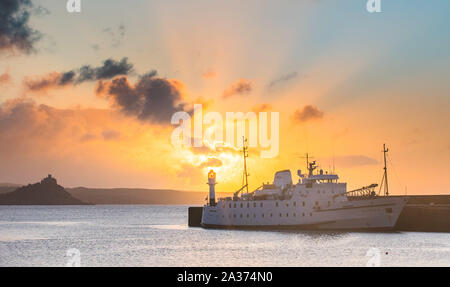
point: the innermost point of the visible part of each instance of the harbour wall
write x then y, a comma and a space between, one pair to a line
422, 213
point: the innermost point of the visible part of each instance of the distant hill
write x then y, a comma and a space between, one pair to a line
46, 192
138, 196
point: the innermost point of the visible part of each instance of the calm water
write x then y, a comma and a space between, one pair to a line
125, 235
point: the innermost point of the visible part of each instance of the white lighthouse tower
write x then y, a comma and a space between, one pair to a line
212, 189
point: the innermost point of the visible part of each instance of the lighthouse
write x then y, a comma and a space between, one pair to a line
212, 189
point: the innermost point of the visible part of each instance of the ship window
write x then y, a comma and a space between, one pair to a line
329, 203
276, 203
234, 205
248, 215
309, 185
295, 203
280, 215
223, 205
241, 215
287, 204
271, 215
242, 205
263, 215
234, 215
254, 215
261, 204
287, 214
229, 205
310, 214
389, 210
303, 214
254, 204
303, 203
248, 204
295, 214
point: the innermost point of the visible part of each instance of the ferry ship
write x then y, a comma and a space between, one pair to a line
317, 201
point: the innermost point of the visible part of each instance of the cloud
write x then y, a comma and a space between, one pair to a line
116, 34
209, 74
5, 78
262, 108
110, 134
241, 87
151, 98
283, 78
15, 32
109, 69
49, 81
308, 113
211, 162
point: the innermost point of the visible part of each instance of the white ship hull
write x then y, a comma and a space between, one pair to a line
378, 213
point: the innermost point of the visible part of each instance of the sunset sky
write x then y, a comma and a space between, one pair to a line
88, 96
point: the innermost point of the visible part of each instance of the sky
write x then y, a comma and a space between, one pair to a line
88, 96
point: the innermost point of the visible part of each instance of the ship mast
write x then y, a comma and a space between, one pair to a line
384, 180
245, 153
386, 187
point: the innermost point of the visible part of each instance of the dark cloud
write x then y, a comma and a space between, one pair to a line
108, 70
282, 79
241, 87
151, 99
308, 113
15, 32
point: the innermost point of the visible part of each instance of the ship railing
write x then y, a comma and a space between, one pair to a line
366, 191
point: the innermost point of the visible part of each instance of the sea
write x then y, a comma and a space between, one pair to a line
158, 235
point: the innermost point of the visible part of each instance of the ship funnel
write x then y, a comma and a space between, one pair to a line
212, 189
